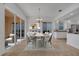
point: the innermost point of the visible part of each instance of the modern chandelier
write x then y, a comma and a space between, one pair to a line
39, 19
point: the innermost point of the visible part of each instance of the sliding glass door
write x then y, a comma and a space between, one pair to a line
17, 31
14, 29
47, 27
22, 29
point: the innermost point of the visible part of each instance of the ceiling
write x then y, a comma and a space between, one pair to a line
47, 10
71, 15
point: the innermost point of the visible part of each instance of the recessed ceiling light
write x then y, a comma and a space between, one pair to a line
60, 10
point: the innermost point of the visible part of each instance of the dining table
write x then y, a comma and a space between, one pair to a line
39, 40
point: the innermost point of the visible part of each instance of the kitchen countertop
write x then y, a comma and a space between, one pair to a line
60, 31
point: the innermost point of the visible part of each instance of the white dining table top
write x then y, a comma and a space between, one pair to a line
39, 34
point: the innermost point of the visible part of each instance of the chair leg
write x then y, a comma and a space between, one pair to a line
50, 44
34, 43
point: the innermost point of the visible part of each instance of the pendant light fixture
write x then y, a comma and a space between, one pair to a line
39, 19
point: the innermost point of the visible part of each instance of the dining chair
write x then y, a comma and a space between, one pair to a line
47, 40
38, 42
29, 39
50, 39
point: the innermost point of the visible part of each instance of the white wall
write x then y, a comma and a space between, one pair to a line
2, 40
32, 21
73, 20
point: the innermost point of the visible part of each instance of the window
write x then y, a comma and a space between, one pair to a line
61, 26
47, 27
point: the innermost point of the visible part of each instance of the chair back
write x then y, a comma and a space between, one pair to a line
50, 38
27, 36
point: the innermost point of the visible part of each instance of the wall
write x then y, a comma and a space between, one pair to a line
2, 41
8, 25
71, 20
75, 20
9, 18
32, 21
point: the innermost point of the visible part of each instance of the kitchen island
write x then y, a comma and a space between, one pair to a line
60, 34
73, 40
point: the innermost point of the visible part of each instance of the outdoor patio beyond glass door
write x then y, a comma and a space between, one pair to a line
47, 27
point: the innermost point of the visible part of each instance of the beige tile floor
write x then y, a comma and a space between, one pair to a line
60, 49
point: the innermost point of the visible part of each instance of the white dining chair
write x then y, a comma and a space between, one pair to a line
29, 38
38, 42
47, 40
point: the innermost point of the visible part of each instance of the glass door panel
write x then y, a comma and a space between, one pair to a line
22, 29
17, 28
47, 27
9, 26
